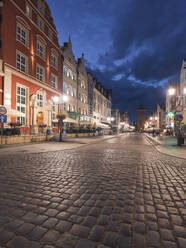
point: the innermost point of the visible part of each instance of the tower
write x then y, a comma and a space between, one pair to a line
141, 118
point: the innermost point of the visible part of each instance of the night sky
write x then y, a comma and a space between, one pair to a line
133, 47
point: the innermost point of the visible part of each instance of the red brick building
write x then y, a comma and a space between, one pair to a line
30, 63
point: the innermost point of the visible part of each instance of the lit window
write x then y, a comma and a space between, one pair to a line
65, 71
68, 91
53, 81
21, 103
21, 62
73, 92
40, 100
40, 74
64, 87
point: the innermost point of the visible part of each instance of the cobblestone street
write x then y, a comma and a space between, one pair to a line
118, 193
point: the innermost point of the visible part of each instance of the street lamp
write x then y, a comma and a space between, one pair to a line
171, 91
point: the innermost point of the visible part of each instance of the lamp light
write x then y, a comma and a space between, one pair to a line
171, 91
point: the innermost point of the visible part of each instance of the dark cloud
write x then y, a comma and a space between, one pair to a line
131, 46
151, 36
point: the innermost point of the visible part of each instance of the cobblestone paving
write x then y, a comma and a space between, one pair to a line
119, 193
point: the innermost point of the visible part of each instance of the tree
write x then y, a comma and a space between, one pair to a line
60, 118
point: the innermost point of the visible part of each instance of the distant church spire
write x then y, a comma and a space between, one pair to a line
69, 39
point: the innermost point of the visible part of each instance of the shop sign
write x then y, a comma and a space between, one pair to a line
3, 118
3, 110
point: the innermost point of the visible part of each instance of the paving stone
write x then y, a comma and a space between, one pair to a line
80, 231
180, 231
51, 236
13, 225
96, 233
63, 226
50, 222
111, 239
5, 236
153, 239
63, 216
25, 228
176, 219
85, 244
182, 242
18, 242
90, 221
139, 227
169, 244
138, 240
167, 235
67, 241
51, 212
125, 230
37, 233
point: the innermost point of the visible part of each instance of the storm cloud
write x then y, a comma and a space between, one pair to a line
131, 46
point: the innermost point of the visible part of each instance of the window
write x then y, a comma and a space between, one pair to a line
21, 34
50, 34
73, 92
53, 81
53, 61
21, 103
54, 58
21, 62
65, 71
40, 74
68, 91
64, 87
40, 49
41, 7
28, 11
40, 100
68, 109
40, 23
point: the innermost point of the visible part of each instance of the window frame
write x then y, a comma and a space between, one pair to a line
38, 66
39, 22
20, 104
26, 61
40, 100
55, 77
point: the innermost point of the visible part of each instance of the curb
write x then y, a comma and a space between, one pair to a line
152, 141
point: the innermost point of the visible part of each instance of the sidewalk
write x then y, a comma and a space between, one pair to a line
168, 145
47, 146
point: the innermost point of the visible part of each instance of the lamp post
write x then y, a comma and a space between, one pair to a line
172, 92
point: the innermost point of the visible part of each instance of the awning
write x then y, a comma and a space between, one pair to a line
15, 113
106, 123
70, 120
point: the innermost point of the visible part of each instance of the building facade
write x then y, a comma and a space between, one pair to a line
70, 86
102, 104
141, 118
30, 64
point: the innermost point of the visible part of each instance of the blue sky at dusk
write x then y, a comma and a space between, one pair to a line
133, 46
